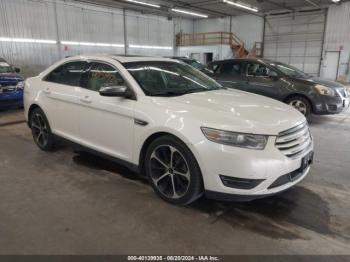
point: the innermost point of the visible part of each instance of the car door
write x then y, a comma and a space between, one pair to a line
106, 124
262, 80
60, 98
229, 74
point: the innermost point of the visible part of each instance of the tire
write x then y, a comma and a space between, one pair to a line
301, 104
41, 130
183, 173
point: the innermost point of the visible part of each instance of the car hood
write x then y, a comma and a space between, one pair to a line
234, 110
10, 77
321, 81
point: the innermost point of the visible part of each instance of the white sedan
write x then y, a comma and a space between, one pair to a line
173, 124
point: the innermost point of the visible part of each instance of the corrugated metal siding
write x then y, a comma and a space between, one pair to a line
81, 23
247, 27
149, 30
337, 37
24, 19
296, 40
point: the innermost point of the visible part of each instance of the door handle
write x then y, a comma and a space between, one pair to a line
47, 91
86, 99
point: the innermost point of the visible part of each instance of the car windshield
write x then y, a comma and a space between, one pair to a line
289, 70
194, 63
6, 68
158, 78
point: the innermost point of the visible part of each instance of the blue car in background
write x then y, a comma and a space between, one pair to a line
11, 86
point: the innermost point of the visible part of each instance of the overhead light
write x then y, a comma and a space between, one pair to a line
90, 44
241, 5
151, 47
336, 1
188, 12
143, 3
27, 40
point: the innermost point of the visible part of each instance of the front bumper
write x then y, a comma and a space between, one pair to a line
330, 105
267, 166
11, 99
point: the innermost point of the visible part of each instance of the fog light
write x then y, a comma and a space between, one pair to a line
240, 183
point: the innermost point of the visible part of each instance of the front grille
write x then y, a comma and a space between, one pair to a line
332, 107
295, 141
285, 179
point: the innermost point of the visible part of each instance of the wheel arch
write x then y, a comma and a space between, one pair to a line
303, 96
30, 110
150, 139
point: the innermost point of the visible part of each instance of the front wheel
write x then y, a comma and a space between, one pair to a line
173, 171
301, 104
41, 130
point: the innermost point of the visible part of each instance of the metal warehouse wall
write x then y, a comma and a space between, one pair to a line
337, 38
296, 39
67, 21
247, 27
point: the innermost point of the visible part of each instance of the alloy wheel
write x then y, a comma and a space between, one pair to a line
40, 130
170, 172
299, 105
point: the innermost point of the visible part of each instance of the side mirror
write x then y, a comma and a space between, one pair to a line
115, 91
17, 70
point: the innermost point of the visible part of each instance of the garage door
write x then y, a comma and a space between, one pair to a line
296, 39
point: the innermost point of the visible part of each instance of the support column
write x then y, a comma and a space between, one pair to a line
125, 33
58, 38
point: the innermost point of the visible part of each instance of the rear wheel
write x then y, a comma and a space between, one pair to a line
173, 171
41, 130
301, 104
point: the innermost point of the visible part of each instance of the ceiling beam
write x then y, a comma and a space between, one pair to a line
311, 2
283, 6
201, 5
178, 3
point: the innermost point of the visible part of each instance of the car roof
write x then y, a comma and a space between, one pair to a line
243, 60
119, 58
181, 57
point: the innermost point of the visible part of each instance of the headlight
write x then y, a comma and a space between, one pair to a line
20, 85
257, 142
325, 91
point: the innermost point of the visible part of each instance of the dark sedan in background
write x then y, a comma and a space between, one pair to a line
280, 81
193, 62
11, 86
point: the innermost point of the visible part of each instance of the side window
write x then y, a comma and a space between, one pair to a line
67, 74
214, 67
257, 70
231, 69
103, 75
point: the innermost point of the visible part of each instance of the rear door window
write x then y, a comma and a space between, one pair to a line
68, 74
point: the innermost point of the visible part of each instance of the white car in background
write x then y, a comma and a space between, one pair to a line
173, 124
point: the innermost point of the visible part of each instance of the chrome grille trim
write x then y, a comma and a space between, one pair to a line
295, 141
